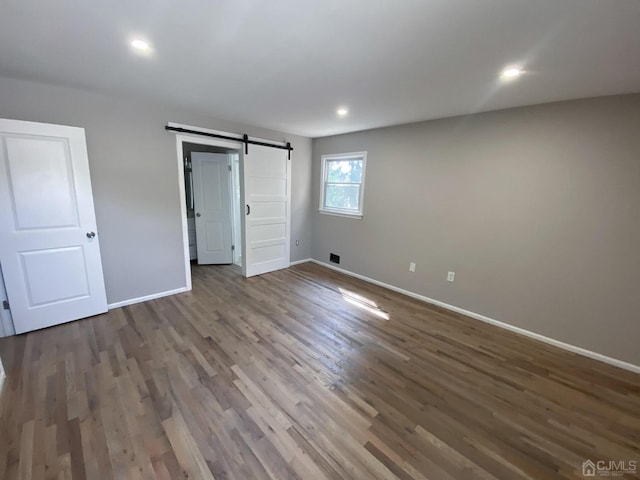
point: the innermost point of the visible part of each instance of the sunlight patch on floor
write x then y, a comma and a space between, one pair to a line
363, 303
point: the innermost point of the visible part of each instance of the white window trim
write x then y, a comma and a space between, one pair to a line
343, 156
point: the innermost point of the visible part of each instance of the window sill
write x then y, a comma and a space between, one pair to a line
357, 216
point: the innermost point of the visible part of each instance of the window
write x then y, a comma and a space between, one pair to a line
342, 186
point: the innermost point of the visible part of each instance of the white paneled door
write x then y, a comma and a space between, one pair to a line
267, 217
212, 205
49, 247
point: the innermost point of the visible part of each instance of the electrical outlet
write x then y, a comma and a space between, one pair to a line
412, 267
451, 276
333, 258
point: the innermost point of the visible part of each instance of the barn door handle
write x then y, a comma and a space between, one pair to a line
248, 210
91, 234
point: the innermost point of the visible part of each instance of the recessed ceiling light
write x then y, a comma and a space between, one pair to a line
140, 45
342, 111
511, 73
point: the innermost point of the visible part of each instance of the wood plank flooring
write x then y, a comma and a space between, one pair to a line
280, 377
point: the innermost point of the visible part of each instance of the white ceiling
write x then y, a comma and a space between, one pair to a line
288, 64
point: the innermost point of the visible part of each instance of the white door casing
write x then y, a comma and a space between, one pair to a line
266, 194
212, 202
49, 246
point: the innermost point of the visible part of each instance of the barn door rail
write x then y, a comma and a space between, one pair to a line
244, 139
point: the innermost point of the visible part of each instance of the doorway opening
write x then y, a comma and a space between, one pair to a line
212, 197
210, 192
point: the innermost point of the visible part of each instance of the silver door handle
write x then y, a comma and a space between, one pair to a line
91, 234
197, 214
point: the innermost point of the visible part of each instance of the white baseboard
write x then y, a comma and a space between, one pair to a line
2, 378
298, 262
146, 298
557, 343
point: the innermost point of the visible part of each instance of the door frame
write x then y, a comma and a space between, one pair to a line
199, 140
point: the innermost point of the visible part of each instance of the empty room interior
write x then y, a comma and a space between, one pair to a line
320, 240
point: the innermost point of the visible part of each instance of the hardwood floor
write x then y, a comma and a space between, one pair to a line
283, 376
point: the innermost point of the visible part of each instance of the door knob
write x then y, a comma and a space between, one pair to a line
91, 234
197, 214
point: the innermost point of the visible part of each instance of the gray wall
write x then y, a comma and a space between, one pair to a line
536, 209
134, 173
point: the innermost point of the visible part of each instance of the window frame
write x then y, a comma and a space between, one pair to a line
340, 212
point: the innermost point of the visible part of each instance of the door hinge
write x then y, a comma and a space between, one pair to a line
5, 305
233, 247
229, 167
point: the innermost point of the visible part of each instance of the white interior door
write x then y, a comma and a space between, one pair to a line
266, 197
212, 202
49, 247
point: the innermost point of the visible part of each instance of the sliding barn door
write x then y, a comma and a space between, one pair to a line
49, 247
266, 174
